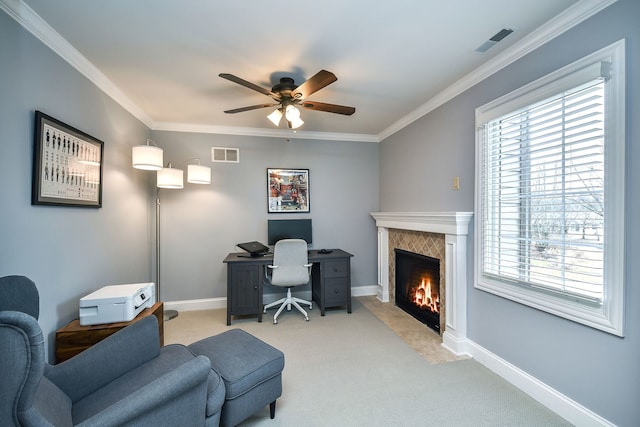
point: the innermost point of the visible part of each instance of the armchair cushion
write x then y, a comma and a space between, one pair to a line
51, 407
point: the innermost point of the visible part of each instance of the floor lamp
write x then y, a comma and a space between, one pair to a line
150, 157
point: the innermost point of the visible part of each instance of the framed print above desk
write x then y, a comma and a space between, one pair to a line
288, 190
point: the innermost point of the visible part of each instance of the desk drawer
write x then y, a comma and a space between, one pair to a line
336, 292
338, 268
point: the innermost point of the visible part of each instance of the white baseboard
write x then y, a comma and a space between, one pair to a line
459, 347
554, 400
215, 303
364, 291
196, 304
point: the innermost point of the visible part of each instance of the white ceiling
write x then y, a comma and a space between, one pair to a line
394, 60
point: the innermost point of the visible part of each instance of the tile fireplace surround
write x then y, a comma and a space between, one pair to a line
432, 228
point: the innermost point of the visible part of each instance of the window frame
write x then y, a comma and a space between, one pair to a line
608, 316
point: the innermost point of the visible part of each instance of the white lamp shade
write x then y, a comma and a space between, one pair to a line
147, 157
275, 117
170, 178
292, 113
198, 174
296, 123
293, 117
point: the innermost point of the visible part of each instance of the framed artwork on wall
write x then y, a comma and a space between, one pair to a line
288, 190
67, 165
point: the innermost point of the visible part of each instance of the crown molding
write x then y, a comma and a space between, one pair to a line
33, 23
269, 133
566, 20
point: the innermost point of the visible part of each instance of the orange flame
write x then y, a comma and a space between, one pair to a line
425, 297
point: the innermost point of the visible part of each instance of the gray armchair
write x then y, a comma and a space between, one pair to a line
126, 379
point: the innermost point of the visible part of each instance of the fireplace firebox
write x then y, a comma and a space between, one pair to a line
418, 286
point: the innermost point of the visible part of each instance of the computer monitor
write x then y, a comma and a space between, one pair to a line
279, 229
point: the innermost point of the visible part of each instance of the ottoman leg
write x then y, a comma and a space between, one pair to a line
272, 409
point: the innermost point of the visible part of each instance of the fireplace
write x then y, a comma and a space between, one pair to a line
454, 226
418, 286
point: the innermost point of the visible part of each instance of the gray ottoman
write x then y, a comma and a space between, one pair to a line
251, 370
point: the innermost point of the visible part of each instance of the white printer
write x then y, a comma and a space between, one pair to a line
116, 303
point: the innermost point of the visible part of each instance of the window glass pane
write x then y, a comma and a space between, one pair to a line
543, 194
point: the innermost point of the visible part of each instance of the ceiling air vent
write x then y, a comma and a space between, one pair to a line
225, 155
497, 37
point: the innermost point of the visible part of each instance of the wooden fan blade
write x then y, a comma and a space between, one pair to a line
249, 85
252, 107
321, 79
329, 108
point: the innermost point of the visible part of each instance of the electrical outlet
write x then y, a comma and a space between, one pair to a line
456, 182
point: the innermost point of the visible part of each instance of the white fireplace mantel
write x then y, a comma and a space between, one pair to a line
455, 227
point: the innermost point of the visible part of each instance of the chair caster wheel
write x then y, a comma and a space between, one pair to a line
275, 322
306, 318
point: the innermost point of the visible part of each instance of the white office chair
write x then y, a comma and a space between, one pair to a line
290, 268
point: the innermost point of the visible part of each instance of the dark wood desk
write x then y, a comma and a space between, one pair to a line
330, 282
74, 338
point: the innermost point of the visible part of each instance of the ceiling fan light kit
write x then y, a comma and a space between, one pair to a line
288, 96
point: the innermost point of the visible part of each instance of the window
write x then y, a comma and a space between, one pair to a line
550, 192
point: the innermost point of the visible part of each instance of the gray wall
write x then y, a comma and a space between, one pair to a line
598, 370
68, 252
201, 224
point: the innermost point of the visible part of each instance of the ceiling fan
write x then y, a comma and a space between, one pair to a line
288, 95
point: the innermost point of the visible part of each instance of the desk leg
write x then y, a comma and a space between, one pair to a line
317, 286
261, 274
229, 290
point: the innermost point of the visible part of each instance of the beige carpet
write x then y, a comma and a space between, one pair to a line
189, 328
353, 370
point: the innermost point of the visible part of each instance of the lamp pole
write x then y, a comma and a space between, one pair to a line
168, 314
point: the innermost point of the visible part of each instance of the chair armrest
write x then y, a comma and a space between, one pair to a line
268, 272
176, 398
111, 358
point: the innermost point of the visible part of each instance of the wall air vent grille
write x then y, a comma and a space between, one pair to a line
225, 155
497, 37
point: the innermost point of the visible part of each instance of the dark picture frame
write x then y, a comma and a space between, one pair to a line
67, 165
288, 190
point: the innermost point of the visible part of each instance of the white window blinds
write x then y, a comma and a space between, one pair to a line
543, 194
550, 178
